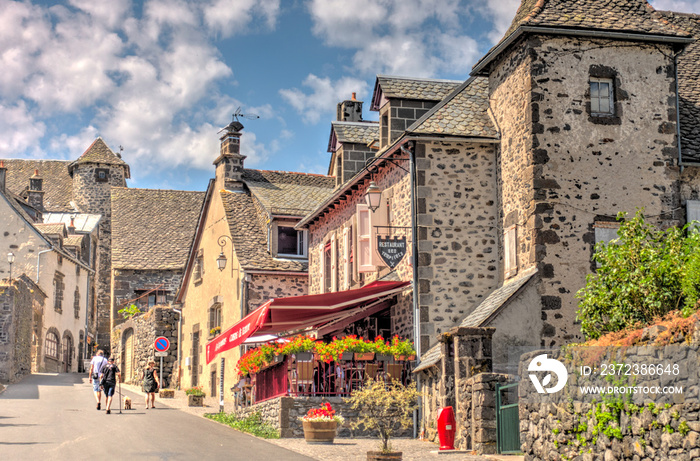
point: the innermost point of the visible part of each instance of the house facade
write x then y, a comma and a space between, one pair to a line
245, 252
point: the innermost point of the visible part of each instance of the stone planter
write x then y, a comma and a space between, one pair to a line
195, 400
166, 394
304, 356
379, 456
319, 431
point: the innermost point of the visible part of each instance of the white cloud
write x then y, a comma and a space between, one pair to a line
110, 13
230, 17
502, 13
19, 131
70, 147
683, 6
347, 24
324, 95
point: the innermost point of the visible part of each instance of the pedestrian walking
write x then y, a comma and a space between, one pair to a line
151, 383
110, 375
96, 364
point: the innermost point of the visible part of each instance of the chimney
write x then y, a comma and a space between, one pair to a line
350, 110
71, 228
35, 194
3, 176
229, 164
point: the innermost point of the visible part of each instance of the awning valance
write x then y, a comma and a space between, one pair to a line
300, 312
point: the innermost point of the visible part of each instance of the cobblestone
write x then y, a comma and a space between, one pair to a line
341, 450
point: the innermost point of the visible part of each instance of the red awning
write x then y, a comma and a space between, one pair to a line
300, 312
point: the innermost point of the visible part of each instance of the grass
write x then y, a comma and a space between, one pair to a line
252, 424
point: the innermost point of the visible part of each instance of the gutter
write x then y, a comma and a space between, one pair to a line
478, 69
38, 262
179, 345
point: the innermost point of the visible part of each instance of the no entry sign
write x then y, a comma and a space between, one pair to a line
161, 344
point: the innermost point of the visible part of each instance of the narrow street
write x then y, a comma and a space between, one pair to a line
53, 417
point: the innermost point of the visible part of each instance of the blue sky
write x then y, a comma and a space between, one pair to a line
161, 77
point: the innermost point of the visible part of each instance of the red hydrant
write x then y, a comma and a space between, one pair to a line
446, 428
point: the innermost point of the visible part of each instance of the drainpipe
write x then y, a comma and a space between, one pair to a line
678, 113
38, 262
87, 315
414, 245
179, 345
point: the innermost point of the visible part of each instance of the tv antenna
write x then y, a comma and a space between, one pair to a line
236, 125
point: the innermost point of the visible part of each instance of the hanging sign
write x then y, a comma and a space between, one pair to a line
392, 250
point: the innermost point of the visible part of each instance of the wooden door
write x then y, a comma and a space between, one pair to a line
129, 356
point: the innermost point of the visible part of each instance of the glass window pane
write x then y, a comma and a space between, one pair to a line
595, 105
287, 242
604, 105
594, 90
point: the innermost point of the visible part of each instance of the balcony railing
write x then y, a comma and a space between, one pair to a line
305, 376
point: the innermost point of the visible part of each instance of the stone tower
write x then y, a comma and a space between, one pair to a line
94, 174
229, 163
586, 106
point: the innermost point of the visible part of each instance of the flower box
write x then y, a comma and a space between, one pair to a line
347, 356
195, 400
166, 394
381, 456
364, 355
383, 358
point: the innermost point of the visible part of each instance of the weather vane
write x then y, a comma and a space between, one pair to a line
236, 125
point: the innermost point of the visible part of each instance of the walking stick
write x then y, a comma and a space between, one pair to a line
120, 396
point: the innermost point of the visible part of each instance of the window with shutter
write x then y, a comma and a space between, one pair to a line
364, 239
321, 267
346, 259
510, 263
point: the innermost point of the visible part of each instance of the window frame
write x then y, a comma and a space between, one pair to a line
51, 345
510, 253
302, 241
597, 99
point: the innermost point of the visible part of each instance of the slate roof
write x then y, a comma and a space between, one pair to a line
51, 228
463, 113
497, 299
429, 359
99, 152
354, 132
422, 89
613, 15
627, 16
249, 238
73, 241
153, 229
57, 184
689, 85
285, 193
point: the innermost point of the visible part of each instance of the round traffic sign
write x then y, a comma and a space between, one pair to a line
162, 344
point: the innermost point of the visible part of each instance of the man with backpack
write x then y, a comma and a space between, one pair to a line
110, 375
96, 364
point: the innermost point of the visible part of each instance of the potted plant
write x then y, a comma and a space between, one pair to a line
214, 331
380, 406
195, 396
320, 424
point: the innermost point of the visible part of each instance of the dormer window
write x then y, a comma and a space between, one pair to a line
291, 242
602, 96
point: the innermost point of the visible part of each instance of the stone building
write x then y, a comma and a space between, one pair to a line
152, 231
245, 251
46, 298
585, 97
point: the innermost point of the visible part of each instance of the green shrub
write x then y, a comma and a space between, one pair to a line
642, 275
252, 424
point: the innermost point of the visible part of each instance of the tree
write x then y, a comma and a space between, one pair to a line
643, 274
381, 405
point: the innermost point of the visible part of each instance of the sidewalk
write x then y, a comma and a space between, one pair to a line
341, 450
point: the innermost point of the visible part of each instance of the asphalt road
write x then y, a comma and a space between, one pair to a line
53, 417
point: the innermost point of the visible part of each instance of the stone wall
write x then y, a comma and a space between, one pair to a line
283, 413
159, 321
95, 197
127, 281
352, 157
16, 316
263, 287
648, 426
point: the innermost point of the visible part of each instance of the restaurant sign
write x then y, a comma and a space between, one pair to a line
391, 249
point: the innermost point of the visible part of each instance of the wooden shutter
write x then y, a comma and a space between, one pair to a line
334, 264
510, 263
346, 259
364, 239
378, 218
321, 266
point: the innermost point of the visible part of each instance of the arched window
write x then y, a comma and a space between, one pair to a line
51, 349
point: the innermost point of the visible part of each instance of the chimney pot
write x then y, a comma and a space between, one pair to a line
354, 96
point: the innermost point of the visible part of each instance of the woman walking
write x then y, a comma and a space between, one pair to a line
150, 384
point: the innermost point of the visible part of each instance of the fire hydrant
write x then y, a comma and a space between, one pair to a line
446, 428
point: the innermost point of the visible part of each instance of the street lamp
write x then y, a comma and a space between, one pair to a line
10, 259
221, 260
373, 196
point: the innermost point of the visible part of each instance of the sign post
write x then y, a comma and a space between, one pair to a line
161, 345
